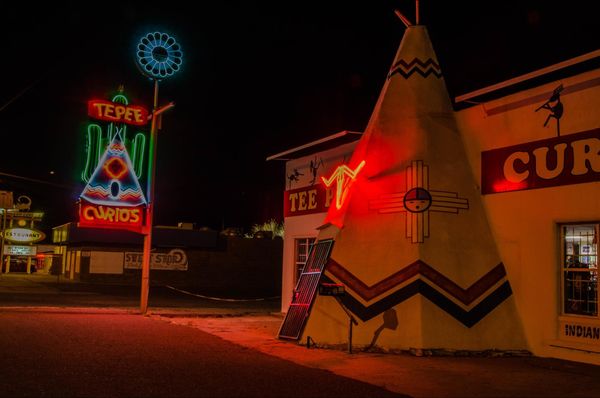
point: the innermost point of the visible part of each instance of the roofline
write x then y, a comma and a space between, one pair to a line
278, 156
528, 76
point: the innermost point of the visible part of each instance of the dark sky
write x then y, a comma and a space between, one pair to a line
258, 78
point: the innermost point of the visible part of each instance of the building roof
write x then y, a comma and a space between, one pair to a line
538, 77
331, 141
70, 233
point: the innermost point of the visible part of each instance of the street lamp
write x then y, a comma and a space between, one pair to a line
158, 56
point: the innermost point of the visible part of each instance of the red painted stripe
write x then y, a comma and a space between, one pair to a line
466, 296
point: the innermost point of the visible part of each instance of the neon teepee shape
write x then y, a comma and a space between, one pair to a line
114, 181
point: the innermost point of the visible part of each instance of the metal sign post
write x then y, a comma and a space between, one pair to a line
158, 56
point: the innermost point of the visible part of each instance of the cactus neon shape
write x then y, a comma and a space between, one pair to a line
97, 142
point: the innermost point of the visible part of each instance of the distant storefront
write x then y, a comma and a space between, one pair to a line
197, 259
20, 239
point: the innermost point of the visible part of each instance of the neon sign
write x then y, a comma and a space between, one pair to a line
23, 235
113, 197
118, 113
98, 138
159, 55
343, 177
100, 216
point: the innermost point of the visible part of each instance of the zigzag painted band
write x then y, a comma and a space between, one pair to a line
467, 318
465, 296
416, 65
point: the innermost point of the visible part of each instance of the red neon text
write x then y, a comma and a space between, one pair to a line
118, 113
100, 216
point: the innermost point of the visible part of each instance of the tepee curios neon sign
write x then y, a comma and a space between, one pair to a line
112, 197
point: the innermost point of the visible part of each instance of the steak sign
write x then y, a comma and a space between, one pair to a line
564, 160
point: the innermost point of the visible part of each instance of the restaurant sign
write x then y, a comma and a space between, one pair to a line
563, 160
23, 235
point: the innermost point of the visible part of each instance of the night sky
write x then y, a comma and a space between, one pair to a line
258, 78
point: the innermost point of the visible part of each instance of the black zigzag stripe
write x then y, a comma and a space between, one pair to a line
406, 75
416, 61
467, 318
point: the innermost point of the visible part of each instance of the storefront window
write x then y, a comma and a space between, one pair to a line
580, 268
303, 246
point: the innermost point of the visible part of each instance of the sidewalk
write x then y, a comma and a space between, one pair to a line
405, 373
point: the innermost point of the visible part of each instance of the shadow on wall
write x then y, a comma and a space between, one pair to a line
390, 321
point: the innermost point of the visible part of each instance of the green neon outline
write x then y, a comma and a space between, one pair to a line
139, 144
136, 146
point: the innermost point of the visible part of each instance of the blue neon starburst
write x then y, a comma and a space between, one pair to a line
158, 55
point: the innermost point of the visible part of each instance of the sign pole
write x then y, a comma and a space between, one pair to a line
149, 207
2, 240
150, 199
158, 56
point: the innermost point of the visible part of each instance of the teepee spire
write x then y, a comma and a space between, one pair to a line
411, 234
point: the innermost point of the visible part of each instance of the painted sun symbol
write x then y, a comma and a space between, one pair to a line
159, 55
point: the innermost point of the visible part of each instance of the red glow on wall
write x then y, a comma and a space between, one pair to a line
507, 186
117, 113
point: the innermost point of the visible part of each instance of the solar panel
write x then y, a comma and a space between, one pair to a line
305, 291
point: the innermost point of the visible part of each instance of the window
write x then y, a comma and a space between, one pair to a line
580, 269
303, 246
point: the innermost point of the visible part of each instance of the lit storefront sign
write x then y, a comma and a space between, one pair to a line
117, 113
564, 160
16, 250
175, 260
308, 200
99, 216
113, 197
23, 235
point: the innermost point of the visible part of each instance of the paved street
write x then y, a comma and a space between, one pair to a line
18, 289
93, 354
72, 339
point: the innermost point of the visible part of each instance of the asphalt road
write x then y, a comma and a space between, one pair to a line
44, 290
102, 354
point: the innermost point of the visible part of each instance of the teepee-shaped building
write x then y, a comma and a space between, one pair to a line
412, 244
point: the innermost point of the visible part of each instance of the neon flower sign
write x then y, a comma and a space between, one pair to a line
343, 177
159, 55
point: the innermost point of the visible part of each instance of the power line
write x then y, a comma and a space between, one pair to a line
13, 99
36, 180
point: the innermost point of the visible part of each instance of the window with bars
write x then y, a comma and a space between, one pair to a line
580, 268
302, 248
